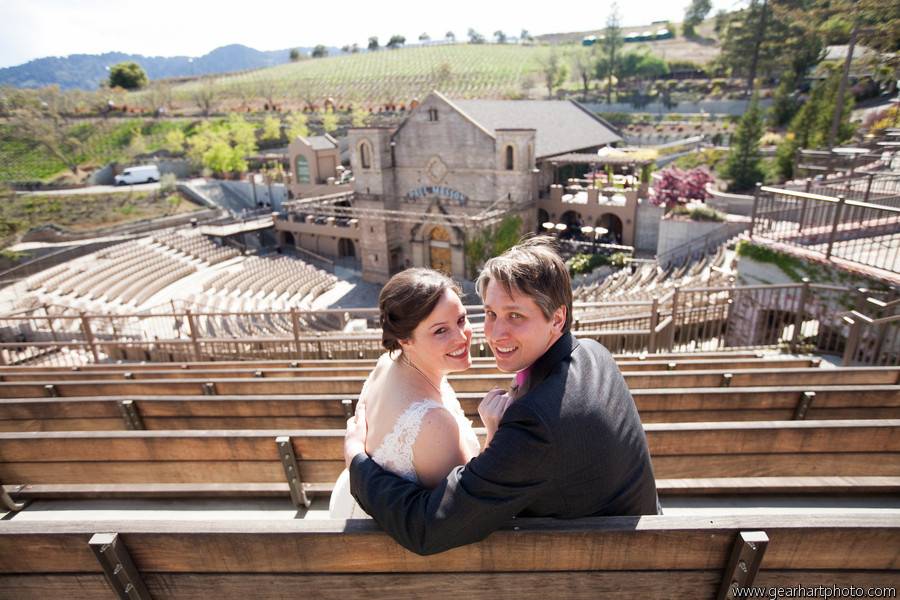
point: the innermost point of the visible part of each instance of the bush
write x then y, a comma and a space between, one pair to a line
585, 263
700, 213
618, 119
167, 183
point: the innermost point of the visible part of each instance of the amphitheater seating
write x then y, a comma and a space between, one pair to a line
617, 558
719, 425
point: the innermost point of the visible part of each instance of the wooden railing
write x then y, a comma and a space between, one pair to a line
800, 317
858, 232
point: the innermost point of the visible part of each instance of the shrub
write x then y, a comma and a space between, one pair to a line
676, 186
585, 263
700, 213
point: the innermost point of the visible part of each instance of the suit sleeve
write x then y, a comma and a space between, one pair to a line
474, 499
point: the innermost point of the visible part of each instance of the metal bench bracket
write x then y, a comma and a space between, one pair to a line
347, 403
209, 389
121, 574
130, 415
8, 502
292, 471
806, 400
746, 557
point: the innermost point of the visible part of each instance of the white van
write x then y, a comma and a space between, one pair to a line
145, 174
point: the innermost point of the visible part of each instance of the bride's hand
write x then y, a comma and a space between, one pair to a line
491, 410
355, 437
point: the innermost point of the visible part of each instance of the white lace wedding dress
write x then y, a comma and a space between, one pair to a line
396, 450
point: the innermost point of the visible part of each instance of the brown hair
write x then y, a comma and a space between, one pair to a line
407, 299
532, 267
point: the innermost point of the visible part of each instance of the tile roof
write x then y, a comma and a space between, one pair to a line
561, 126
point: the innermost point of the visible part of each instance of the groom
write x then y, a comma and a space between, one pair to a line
569, 445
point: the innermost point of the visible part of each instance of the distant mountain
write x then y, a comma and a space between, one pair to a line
86, 71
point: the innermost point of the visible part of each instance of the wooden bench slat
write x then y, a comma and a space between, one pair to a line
309, 546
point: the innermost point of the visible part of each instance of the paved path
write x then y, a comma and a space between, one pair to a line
97, 189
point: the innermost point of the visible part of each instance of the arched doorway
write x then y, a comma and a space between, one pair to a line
543, 217
439, 250
346, 249
613, 224
288, 240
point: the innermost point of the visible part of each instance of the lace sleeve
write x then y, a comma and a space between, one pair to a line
396, 450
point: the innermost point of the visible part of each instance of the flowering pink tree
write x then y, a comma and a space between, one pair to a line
677, 186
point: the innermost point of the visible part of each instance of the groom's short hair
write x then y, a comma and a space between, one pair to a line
532, 267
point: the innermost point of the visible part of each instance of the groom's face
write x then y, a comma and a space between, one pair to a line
516, 328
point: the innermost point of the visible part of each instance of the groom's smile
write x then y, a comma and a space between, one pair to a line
516, 329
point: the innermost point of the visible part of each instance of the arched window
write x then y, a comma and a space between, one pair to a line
302, 170
365, 156
509, 158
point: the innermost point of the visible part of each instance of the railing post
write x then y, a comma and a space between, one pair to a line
807, 185
295, 326
670, 342
89, 336
852, 341
799, 313
868, 187
755, 208
654, 321
838, 209
803, 204
192, 329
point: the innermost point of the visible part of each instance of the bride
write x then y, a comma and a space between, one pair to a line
416, 427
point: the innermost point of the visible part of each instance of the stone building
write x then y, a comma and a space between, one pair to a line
450, 170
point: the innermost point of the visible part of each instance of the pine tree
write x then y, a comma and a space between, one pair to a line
743, 166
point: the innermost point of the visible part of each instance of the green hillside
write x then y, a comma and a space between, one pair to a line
387, 76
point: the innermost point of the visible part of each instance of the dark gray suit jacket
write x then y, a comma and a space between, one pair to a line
572, 446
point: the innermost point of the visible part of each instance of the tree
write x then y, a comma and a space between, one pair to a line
553, 70
319, 51
584, 63
395, 42
524, 36
358, 117
694, 15
294, 55
296, 126
329, 121
206, 96
174, 142
223, 147
450, 36
373, 43
675, 186
612, 41
475, 37
271, 129
128, 76
46, 124
743, 165
500, 37
424, 37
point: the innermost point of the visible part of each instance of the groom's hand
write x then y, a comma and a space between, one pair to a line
355, 437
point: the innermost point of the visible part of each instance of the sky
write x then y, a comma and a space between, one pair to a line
37, 28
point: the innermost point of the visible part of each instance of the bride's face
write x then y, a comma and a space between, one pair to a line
441, 342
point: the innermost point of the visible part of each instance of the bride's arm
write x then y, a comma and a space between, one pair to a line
438, 447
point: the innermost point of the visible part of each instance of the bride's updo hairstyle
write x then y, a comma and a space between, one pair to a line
407, 299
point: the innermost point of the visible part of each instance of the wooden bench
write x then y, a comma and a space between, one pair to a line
330, 411
190, 370
253, 462
213, 384
612, 558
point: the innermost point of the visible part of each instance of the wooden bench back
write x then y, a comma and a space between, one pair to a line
614, 557
163, 371
329, 411
858, 448
217, 385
